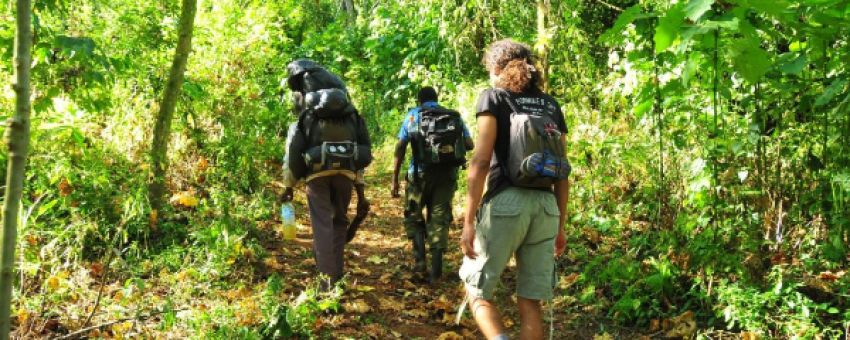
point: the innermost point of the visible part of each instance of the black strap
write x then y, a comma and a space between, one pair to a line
502, 162
415, 149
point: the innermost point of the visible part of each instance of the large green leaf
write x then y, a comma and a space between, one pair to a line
696, 8
85, 45
830, 92
789, 64
690, 67
668, 28
772, 7
624, 19
749, 60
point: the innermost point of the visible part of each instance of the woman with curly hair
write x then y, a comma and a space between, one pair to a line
515, 217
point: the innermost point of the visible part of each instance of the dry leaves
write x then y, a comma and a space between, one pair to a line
391, 304
603, 336
358, 306
830, 276
97, 269
568, 280
750, 336
185, 199
450, 336
680, 327
779, 258
65, 188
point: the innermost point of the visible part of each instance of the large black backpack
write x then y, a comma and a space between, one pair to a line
438, 138
328, 123
536, 157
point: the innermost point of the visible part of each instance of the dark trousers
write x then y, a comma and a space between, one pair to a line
328, 198
434, 192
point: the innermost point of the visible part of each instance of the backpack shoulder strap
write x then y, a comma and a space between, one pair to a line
415, 148
507, 97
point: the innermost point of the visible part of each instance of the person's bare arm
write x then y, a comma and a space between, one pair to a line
400, 149
562, 195
479, 166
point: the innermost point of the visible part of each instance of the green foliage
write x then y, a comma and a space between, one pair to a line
724, 202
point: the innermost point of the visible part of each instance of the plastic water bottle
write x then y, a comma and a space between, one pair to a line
287, 216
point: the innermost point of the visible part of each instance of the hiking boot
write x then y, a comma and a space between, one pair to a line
419, 253
436, 265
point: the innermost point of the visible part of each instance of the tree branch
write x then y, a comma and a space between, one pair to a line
618, 9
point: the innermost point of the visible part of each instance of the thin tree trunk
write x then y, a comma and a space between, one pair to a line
348, 7
18, 141
162, 129
543, 42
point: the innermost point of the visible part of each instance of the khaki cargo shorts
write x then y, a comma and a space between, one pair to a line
517, 222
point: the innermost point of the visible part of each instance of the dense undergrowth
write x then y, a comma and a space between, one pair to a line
709, 140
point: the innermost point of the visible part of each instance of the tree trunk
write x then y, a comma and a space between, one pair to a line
162, 129
18, 141
348, 7
542, 45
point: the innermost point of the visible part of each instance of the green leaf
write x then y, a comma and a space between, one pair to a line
668, 28
830, 92
772, 7
84, 44
795, 66
625, 18
641, 108
696, 8
832, 310
731, 24
690, 66
751, 61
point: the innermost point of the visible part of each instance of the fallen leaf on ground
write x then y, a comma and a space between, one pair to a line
416, 313
750, 336
654, 325
603, 336
364, 288
389, 303
830, 276
377, 259
680, 327
450, 336
568, 280
357, 306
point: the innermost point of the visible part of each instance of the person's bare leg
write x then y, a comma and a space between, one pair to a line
487, 317
531, 319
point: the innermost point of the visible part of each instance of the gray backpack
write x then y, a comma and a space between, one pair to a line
536, 158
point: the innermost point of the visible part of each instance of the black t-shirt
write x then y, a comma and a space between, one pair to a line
494, 102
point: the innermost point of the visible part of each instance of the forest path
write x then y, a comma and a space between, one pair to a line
383, 300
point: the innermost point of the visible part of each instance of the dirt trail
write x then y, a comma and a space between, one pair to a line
384, 301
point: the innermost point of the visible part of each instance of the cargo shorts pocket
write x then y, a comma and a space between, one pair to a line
506, 204
550, 206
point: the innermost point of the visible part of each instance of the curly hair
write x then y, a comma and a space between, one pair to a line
514, 62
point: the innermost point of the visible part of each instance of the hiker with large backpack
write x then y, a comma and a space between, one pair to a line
439, 140
329, 149
521, 152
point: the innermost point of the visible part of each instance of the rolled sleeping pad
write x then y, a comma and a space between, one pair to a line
320, 79
327, 103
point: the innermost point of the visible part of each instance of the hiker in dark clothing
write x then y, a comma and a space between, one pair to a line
431, 185
329, 149
523, 211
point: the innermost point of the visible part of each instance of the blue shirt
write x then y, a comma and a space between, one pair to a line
413, 116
